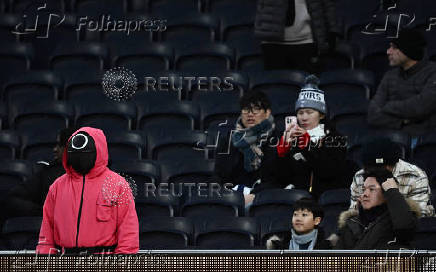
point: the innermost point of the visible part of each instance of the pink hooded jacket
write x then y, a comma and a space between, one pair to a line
102, 222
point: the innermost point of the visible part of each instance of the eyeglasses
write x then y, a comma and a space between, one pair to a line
253, 110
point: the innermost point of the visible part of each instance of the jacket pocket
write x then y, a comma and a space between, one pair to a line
104, 211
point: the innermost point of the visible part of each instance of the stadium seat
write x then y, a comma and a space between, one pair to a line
333, 203
165, 233
7, 25
33, 85
275, 202
10, 143
229, 8
171, 8
31, 118
139, 34
190, 29
346, 85
235, 27
270, 226
249, 56
179, 114
373, 57
125, 145
204, 57
107, 115
38, 147
193, 171
80, 85
94, 8
12, 172
3, 115
167, 144
425, 234
350, 118
217, 108
15, 58
226, 233
217, 81
343, 57
69, 56
143, 58
143, 172
21, 233
21, 6
423, 156
154, 202
213, 200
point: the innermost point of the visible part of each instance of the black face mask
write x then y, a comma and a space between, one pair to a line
81, 152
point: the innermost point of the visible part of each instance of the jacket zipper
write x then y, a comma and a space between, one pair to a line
80, 213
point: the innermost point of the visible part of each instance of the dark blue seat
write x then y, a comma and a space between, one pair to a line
333, 203
126, 145
78, 85
69, 56
346, 85
144, 32
226, 233
12, 172
3, 115
7, 25
38, 147
21, 6
204, 57
217, 108
144, 58
276, 202
94, 8
229, 8
213, 200
36, 118
249, 56
178, 114
373, 57
15, 59
10, 143
425, 234
34, 86
350, 118
423, 155
198, 28
172, 8
154, 203
179, 170
217, 81
107, 115
343, 57
165, 233
273, 225
165, 144
21, 233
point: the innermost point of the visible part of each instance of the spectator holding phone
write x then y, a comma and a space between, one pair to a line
384, 218
312, 155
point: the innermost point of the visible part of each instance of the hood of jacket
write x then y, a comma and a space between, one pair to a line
344, 216
101, 149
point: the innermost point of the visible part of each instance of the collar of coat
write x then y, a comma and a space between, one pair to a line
344, 216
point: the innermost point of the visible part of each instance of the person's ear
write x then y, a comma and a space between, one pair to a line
268, 113
317, 220
321, 116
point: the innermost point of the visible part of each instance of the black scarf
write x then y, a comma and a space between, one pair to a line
368, 216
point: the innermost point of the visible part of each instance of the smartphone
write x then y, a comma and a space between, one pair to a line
290, 121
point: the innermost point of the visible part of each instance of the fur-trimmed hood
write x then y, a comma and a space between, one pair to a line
344, 216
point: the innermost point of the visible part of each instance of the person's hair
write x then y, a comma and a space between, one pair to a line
64, 134
309, 204
255, 98
380, 173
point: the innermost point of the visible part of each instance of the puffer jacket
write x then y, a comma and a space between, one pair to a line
104, 217
393, 229
271, 17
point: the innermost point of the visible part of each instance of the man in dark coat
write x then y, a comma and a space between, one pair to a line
27, 199
384, 220
295, 32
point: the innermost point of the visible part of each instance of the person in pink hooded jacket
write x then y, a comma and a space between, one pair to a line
90, 208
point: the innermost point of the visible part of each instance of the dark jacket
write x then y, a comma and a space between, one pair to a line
282, 240
229, 163
27, 198
393, 229
405, 100
326, 161
271, 19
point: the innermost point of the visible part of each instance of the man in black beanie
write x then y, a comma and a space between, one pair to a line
406, 96
380, 154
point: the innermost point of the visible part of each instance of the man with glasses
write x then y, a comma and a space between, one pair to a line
245, 151
384, 218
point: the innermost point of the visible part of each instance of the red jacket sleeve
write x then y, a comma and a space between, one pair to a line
46, 244
283, 148
127, 228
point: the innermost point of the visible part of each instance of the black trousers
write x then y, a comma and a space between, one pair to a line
291, 57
